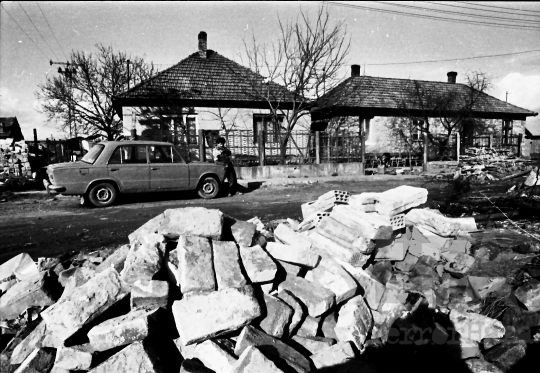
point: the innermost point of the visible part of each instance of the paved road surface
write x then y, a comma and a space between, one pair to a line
37, 224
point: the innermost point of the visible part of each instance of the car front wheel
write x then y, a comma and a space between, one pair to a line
102, 194
209, 188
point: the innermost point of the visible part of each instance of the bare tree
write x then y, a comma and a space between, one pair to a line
305, 59
437, 113
83, 100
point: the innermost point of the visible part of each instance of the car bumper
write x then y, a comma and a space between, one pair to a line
56, 188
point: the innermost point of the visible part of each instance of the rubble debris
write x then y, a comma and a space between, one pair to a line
203, 316
293, 298
21, 267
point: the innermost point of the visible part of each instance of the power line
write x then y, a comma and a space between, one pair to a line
500, 7
454, 59
467, 15
492, 24
484, 10
458, 13
39, 32
17, 23
51, 30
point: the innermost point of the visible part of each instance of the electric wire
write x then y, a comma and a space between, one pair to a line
483, 10
454, 20
39, 32
17, 23
500, 7
454, 59
54, 35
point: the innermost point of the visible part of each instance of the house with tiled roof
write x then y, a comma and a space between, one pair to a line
205, 91
10, 129
374, 99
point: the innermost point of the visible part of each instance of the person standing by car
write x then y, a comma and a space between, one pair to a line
222, 154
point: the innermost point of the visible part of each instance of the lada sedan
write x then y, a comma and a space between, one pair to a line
113, 167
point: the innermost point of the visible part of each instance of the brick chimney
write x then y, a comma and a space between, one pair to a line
202, 44
451, 77
355, 70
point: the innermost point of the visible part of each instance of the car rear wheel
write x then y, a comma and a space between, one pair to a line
209, 188
102, 194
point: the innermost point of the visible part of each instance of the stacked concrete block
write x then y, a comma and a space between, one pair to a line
325, 202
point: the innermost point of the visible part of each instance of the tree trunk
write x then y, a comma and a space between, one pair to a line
283, 151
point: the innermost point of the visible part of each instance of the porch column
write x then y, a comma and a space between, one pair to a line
362, 127
426, 147
202, 147
318, 147
458, 145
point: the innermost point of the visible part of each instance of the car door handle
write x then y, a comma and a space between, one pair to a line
114, 169
155, 168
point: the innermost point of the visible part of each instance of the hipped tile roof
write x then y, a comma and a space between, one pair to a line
378, 94
213, 79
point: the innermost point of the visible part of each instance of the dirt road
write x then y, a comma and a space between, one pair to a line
41, 225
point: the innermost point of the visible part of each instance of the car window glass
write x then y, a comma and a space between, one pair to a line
93, 154
160, 154
116, 156
133, 154
177, 158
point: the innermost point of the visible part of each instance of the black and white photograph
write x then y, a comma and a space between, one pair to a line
277, 187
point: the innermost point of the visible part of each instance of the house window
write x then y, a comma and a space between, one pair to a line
269, 125
191, 129
187, 134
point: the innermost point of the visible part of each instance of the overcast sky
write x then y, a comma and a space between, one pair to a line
383, 36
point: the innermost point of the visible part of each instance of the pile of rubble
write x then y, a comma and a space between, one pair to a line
198, 291
484, 164
14, 159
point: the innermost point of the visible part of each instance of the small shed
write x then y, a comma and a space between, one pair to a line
532, 142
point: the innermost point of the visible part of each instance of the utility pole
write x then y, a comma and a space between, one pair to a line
506, 96
128, 62
68, 74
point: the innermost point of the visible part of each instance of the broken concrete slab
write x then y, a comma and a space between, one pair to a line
316, 298
35, 339
171, 263
86, 303
345, 236
328, 324
400, 199
195, 264
253, 360
309, 327
314, 344
396, 250
293, 302
278, 315
334, 355
144, 258
354, 322
407, 264
372, 226
69, 358
227, 265
331, 275
482, 286
287, 236
258, 265
316, 206
372, 290
79, 277
456, 247
366, 198
21, 267
115, 260
466, 225
336, 250
462, 264
440, 242
137, 357
36, 291
419, 249
475, 326
204, 316
529, 295
213, 356
243, 232
149, 294
433, 222
482, 366
277, 351
123, 330
292, 254
289, 268
187, 221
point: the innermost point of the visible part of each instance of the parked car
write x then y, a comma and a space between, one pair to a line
113, 167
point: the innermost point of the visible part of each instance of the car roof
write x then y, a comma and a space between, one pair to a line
135, 142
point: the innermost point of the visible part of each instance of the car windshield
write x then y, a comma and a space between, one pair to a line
93, 154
